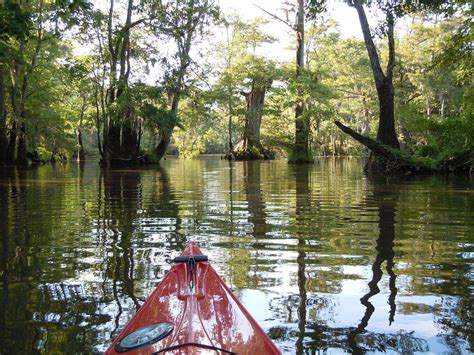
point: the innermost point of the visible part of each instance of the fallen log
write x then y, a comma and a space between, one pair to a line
394, 159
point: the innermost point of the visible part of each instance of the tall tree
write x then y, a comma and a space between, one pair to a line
248, 75
120, 132
250, 147
181, 21
386, 133
15, 26
301, 150
30, 28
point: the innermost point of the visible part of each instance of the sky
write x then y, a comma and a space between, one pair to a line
283, 49
344, 15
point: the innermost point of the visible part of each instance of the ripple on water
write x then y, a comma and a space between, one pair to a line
324, 257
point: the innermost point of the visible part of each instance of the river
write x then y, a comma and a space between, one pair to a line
324, 257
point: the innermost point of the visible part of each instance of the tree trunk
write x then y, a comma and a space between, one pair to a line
183, 42
129, 133
166, 133
80, 153
383, 82
301, 152
386, 132
250, 148
112, 145
10, 156
12, 139
3, 118
120, 138
162, 147
129, 141
21, 157
229, 127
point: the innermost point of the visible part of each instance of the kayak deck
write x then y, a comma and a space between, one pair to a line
204, 314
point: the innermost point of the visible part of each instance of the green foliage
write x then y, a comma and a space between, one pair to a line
15, 21
448, 139
435, 103
67, 92
200, 125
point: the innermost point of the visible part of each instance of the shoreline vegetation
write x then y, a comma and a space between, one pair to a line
185, 78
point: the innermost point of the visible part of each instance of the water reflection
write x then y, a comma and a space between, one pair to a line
303, 198
122, 200
321, 256
165, 209
315, 334
384, 198
256, 205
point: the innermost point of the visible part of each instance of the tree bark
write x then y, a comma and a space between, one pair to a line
301, 152
10, 154
162, 147
120, 139
80, 153
229, 99
394, 160
229, 125
21, 154
3, 118
386, 133
250, 147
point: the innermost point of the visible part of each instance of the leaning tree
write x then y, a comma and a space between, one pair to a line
386, 156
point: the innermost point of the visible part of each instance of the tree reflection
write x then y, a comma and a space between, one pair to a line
247, 269
385, 198
301, 174
314, 335
256, 206
169, 205
231, 197
5, 253
122, 200
38, 311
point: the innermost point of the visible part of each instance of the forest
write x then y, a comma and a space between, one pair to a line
126, 82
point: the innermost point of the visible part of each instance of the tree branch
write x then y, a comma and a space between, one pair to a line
370, 143
276, 17
393, 155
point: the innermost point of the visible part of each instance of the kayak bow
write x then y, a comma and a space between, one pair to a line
192, 311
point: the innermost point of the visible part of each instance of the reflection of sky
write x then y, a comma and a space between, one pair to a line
349, 311
80, 256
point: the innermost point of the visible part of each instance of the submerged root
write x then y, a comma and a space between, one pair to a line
245, 150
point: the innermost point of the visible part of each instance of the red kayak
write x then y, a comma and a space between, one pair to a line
192, 311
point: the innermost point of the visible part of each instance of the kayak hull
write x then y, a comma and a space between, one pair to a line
205, 315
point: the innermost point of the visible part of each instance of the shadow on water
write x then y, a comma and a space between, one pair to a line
17, 271
166, 206
248, 266
40, 309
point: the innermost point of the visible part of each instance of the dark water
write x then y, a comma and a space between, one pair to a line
325, 258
